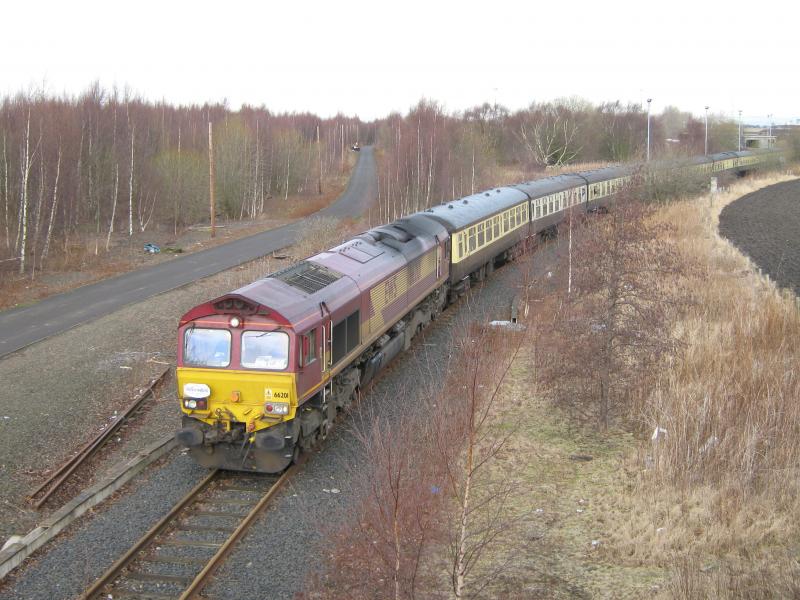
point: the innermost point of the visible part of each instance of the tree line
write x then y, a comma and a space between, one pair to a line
106, 163
430, 156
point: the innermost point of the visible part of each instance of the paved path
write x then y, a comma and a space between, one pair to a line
20, 327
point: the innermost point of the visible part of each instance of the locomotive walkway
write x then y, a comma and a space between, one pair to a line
21, 327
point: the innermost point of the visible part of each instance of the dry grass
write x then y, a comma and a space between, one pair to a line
709, 511
716, 499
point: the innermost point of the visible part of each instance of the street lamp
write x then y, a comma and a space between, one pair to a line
740, 130
770, 125
706, 146
649, 100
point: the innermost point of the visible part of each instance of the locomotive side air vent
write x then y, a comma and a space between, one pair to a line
308, 277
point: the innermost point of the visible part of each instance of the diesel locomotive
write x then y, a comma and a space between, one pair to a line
263, 371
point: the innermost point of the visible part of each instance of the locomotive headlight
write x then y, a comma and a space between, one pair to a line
276, 408
195, 403
235, 322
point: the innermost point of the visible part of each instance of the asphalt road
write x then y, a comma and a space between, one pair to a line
20, 327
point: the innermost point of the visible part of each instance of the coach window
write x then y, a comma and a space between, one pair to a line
496, 227
506, 226
460, 245
480, 235
471, 239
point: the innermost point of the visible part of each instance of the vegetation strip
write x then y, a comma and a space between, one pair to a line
14, 555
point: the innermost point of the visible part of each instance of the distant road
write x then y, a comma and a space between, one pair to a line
20, 327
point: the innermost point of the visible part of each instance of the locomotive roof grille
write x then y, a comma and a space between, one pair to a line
308, 277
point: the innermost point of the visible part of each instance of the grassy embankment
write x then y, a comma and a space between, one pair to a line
708, 511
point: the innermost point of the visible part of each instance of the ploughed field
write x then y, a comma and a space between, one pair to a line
765, 225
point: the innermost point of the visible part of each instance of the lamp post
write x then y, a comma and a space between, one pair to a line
649, 100
770, 125
706, 146
740, 130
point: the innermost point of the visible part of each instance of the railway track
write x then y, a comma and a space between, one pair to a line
175, 558
60, 475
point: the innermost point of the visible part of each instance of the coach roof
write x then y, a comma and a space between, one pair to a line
457, 214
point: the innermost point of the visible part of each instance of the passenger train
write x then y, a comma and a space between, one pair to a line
263, 371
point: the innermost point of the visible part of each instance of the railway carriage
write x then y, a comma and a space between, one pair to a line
551, 197
484, 229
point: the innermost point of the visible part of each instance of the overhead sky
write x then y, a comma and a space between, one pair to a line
372, 58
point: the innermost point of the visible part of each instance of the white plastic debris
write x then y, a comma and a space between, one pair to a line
661, 530
507, 325
658, 433
335, 491
540, 510
595, 543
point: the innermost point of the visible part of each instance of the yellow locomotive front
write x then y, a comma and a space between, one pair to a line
237, 388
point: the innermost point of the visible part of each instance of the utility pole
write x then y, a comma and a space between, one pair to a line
211, 179
649, 100
706, 146
319, 159
740, 130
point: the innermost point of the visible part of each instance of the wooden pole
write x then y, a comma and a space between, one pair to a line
211, 179
319, 159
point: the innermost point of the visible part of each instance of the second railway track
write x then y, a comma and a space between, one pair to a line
175, 558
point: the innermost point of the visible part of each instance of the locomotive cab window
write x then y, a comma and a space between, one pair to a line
207, 347
265, 350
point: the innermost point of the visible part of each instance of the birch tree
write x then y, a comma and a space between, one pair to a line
53, 206
26, 172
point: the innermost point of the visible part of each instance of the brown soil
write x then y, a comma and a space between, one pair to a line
765, 225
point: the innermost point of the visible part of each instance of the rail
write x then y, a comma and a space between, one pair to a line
62, 473
137, 571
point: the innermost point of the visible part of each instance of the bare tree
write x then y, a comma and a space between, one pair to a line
614, 326
130, 185
549, 135
26, 173
53, 206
